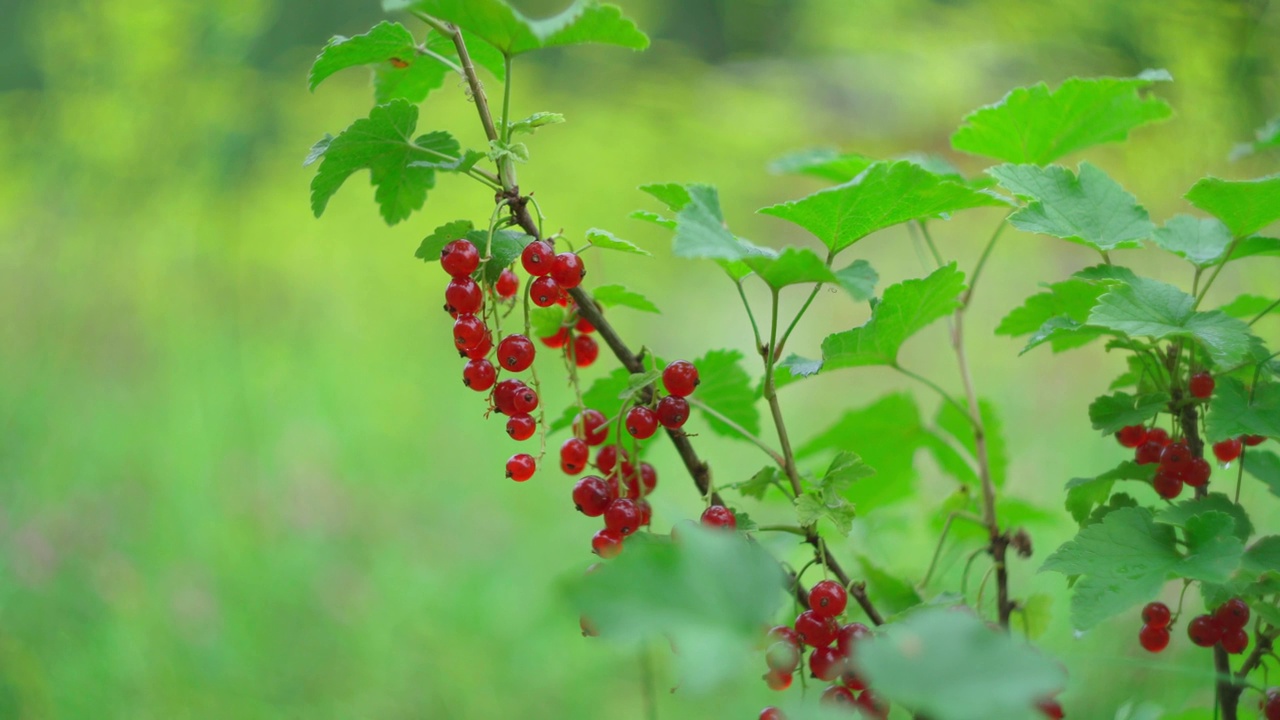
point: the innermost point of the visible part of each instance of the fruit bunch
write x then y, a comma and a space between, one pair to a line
1225, 626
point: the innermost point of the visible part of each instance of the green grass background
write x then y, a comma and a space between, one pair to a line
239, 476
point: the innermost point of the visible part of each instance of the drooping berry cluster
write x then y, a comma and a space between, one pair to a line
1224, 626
1154, 634
1177, 465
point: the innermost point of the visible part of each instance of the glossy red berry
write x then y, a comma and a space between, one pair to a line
544, 292
480, 351
1154, 639
521, 427
584, 326
826, 663
673, 411
642, 423
646, 512
558, 340
463, 295
1252, 440
782, 657
648, 478
828, 598
504, 395
1156, 614
1232, 614
591, 496
459, 258
1131, 436
1051, 709
507, 284
1158, 435
524, 401
468, 332
771, 713
521, 467
622, 516
1235, 641
815, 630
479, 375
719, 516
591, 426
536, 258
1204, 631
606, 543
1175, 458
838, 696
1227, 450
1197, 472
848, 636
573, 456
1148, 453
515, 353
607, 458
1271, 710
585, 350
680, 378
1167, 486
1201, 385
567, 270
777, 681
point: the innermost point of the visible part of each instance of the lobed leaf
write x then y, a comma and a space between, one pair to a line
1200, 241
1182, 513
1089, 208
1263, 465
1084, 494
608, 241
511, 32
699, 224
1250, 306
859, 280
1244, 206
726, 388
1109, 413
619, 296
1234, 411
431, 246
793, 266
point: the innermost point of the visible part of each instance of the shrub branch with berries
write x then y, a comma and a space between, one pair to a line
1195, 378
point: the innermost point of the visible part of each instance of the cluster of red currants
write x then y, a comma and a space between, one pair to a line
1177, 466
833, 645
1225, 625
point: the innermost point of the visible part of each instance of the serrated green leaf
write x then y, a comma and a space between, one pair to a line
726, 388
1255, 246
546, 322
507, 29
1233, 413
845, 469
608, 241
1070, 298
1062, 333
905, 309
653, 217
637, 382
619, 296
1244, 206
412, 75
1180, 514
890, 595
759, 484
1250, 306
1115, 502
793, 266
384, 41
884, 195
503, 249
1109, 413
1106, 274
431, 246
1084, 494
812, 507
1150, 308
959, 426
1265, 466
823, 163
1035, 125
1089, 208
859, 280
1201, 241
950, 666
700, 227
383, 144
533, 122
1263, 556
1213, 550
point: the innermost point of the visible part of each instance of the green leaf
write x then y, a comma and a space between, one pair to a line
759, 484
1150, 308
1214, 551
1263, 556
637, 382
845, 469
619, 296
412, 75
1201, 241
433, 244
1232, 413
958, 426
1180, 514
383, 144
1090, 209
793, 266
1106, 274
1084, 494
1109, 413
653, 217
823, 163
812, 507
1035, 125
797, 366
906, 308
1062, 333
608, 241
859, 280
709, 594
1037, 614
1256, 245
884, 195
1070, 298
385, 41
1250, 306
1265, 466
700, 226
726, 388
1244, 206
950, 666
890, 595
1268, 138
546, 322
504, 249
504, 27
533, 122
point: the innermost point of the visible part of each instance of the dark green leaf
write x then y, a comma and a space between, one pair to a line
1109, 413
1090, 209
1213, 549
433, 244
503, 249
1035, 125
413, 75
546, 322
885, 194
1233, 413
619, 296
1070, 298
859, 280
504, 27
385, 41
1265, 466
792, 266
1180, 514
1250, 306
1084, 494
608, 241
726, 388
1244, 206
959, 426
1202, 241
1106, 274
759, 484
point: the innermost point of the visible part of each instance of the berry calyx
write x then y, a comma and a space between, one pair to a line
591, 496
463, 296
591, 426
567, 270
479, 375
1227, 450
585, 350
777, 680
719, 516
459, 258
536, 258
544, 292
673, 411
1204, 631
507, 284
1167, 486
1235, 641
515, 353
826, 663
1201, 385
469, 332
1154, 639
606, 543
573, 456
782, 657
1131, 436
1197, 472
521, 427
642, 423
622, 516
680, 378
828, 598
815, 630
1156, 614
838, 696
521, 467
1232, 614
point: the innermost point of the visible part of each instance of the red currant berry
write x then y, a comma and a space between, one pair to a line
521, 427
1156, 614
1154, 639
585, 351
1131, 436
459, 258
479, 375
646, 512
815, 630
680, 378
544, 292
1204, 631
1227, 450
463, 295
537, 257
607, 458
567, 270
507, 284
1158, 435
521, 467
1167, 486
591, 426
558, 340
481, 351
719, 516
851, 680
573, 456
828, 598
648, 478
1235, 641
673, 411
848, 636
1148, 453
515, 353
826, 663
642, 423
1051, 709
1201, 385
591, 496
1175, 458
525, 401
1272, 708
1197, 472
873, 706
504, 395
584, 326
1232, 614
783, 633
611, 482
1252, 440
838, 696
622, 516
771, 713
777, 681
782, 657
606, 543
468, 332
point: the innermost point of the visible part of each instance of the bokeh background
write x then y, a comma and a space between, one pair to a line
239, 477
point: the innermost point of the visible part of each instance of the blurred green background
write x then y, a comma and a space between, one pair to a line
239, 476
